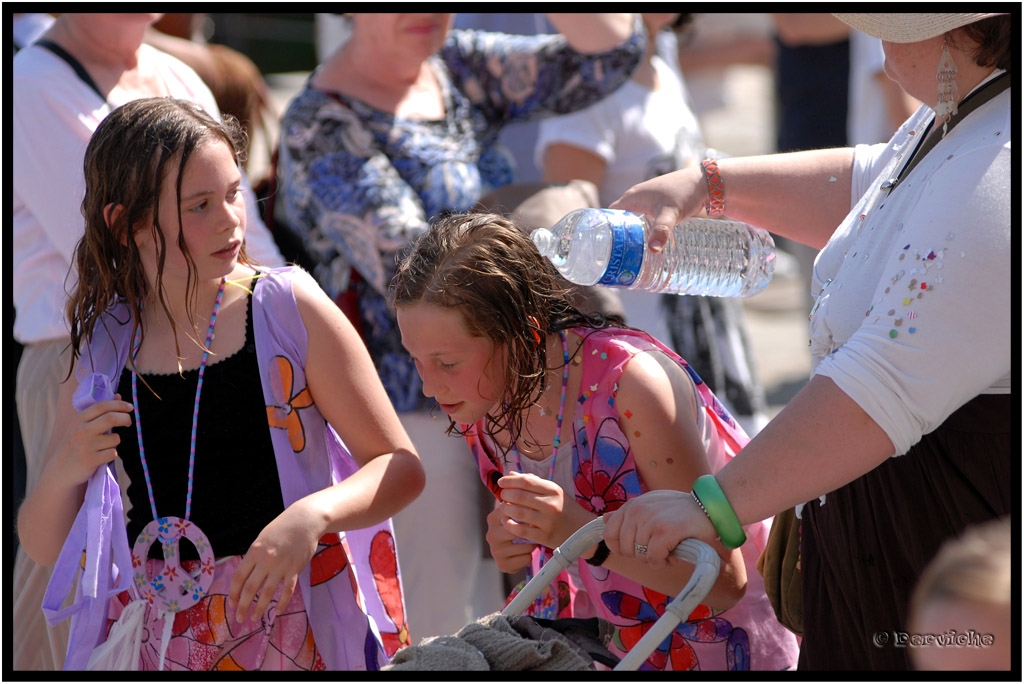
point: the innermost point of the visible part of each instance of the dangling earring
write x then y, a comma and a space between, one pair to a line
948, 93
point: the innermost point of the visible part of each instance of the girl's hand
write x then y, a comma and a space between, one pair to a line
89, 441
274, 560
81, 443
511, 553
539, 510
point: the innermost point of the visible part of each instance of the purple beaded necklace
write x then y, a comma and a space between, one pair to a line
550, 611
173, 589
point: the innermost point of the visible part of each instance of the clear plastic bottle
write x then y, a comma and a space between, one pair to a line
703, 256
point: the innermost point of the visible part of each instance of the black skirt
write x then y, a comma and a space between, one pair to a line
863, 551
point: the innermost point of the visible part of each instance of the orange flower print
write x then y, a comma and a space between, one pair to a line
285, 414
384, 561
329, 559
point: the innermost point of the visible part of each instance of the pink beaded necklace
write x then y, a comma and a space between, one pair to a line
548, 609
173, 589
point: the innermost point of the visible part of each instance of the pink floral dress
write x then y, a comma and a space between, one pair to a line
744, 637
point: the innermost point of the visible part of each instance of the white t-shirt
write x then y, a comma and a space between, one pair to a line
914, 288
53, 115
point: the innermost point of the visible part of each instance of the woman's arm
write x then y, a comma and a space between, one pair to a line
515, 78
819, 442
564, 162
591, 33
799, 195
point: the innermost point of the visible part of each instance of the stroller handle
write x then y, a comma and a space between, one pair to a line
705, 559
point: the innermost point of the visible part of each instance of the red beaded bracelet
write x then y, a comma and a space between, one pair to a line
716, 188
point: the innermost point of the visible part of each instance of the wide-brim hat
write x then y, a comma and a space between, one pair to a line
905, 27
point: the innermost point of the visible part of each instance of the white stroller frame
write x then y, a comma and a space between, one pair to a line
706, 562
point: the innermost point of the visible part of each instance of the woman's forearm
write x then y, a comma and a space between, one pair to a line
819, 442
800, 195
591, 33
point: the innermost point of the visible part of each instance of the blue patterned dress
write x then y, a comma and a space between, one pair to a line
359, 184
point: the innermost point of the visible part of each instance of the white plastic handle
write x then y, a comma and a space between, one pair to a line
704, 558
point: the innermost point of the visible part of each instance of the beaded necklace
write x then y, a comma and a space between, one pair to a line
173, 589
548, 608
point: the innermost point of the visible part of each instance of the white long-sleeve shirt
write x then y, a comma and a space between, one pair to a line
914, 288
53, 115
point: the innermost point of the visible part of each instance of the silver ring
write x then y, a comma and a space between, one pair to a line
640, 549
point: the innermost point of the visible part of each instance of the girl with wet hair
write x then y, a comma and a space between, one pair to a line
569, 415
263, 455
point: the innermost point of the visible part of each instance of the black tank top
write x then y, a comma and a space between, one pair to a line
236, 490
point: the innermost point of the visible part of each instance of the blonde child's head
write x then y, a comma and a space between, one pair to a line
963, 600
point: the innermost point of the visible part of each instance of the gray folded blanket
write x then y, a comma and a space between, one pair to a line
504, 644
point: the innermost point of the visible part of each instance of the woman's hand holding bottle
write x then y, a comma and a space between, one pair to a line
665, 201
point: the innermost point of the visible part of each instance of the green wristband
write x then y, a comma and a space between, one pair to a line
710, 497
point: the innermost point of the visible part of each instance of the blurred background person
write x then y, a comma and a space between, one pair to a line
876, 105
26, 27
234, 79
812, 88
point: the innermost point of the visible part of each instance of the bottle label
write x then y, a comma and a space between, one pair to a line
627, 252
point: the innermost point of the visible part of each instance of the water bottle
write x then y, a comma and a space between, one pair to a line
703, 256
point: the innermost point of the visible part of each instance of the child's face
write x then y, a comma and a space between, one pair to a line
463, 373
212, 215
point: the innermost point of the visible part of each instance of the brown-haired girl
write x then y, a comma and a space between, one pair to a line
257, 431
569, 416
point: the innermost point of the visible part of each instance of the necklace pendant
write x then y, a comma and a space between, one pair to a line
172, 589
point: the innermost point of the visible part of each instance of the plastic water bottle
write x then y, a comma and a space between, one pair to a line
703, 256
